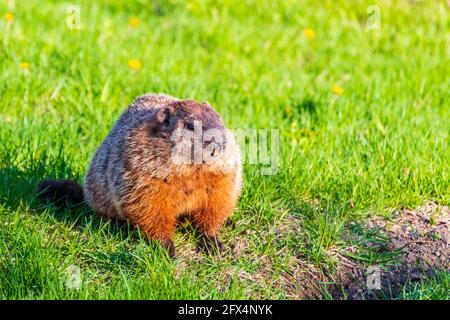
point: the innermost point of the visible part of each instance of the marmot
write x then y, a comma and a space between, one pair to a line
149, 172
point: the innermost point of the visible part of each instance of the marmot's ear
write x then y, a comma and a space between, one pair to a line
163, 116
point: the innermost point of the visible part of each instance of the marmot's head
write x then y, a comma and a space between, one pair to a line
196, 135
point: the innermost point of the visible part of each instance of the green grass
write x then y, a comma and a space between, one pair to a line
436, 288
382, 144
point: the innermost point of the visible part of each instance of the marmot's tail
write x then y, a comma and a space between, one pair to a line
60, 192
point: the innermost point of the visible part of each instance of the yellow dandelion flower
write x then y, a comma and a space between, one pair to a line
309, 33
288, 110
337, 90
24, 66
9, 17
133, 22
134, 64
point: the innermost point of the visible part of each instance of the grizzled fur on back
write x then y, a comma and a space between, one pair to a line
102, 183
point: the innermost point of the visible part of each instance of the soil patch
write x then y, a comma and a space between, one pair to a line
420, 237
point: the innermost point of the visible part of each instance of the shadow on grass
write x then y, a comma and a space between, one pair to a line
36, 254
19, 190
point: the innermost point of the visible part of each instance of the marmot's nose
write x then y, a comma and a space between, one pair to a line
212, 155
211, 143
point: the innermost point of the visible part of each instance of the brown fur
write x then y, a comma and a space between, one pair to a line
134, 177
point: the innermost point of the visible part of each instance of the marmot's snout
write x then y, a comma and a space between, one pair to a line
199, 135
214, 145
201, 148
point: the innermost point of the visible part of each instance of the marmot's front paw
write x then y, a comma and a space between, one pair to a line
212, 245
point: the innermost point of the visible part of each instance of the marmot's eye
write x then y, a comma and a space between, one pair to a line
189, 126
166, 123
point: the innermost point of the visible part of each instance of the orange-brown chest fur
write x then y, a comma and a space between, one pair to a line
179, 196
